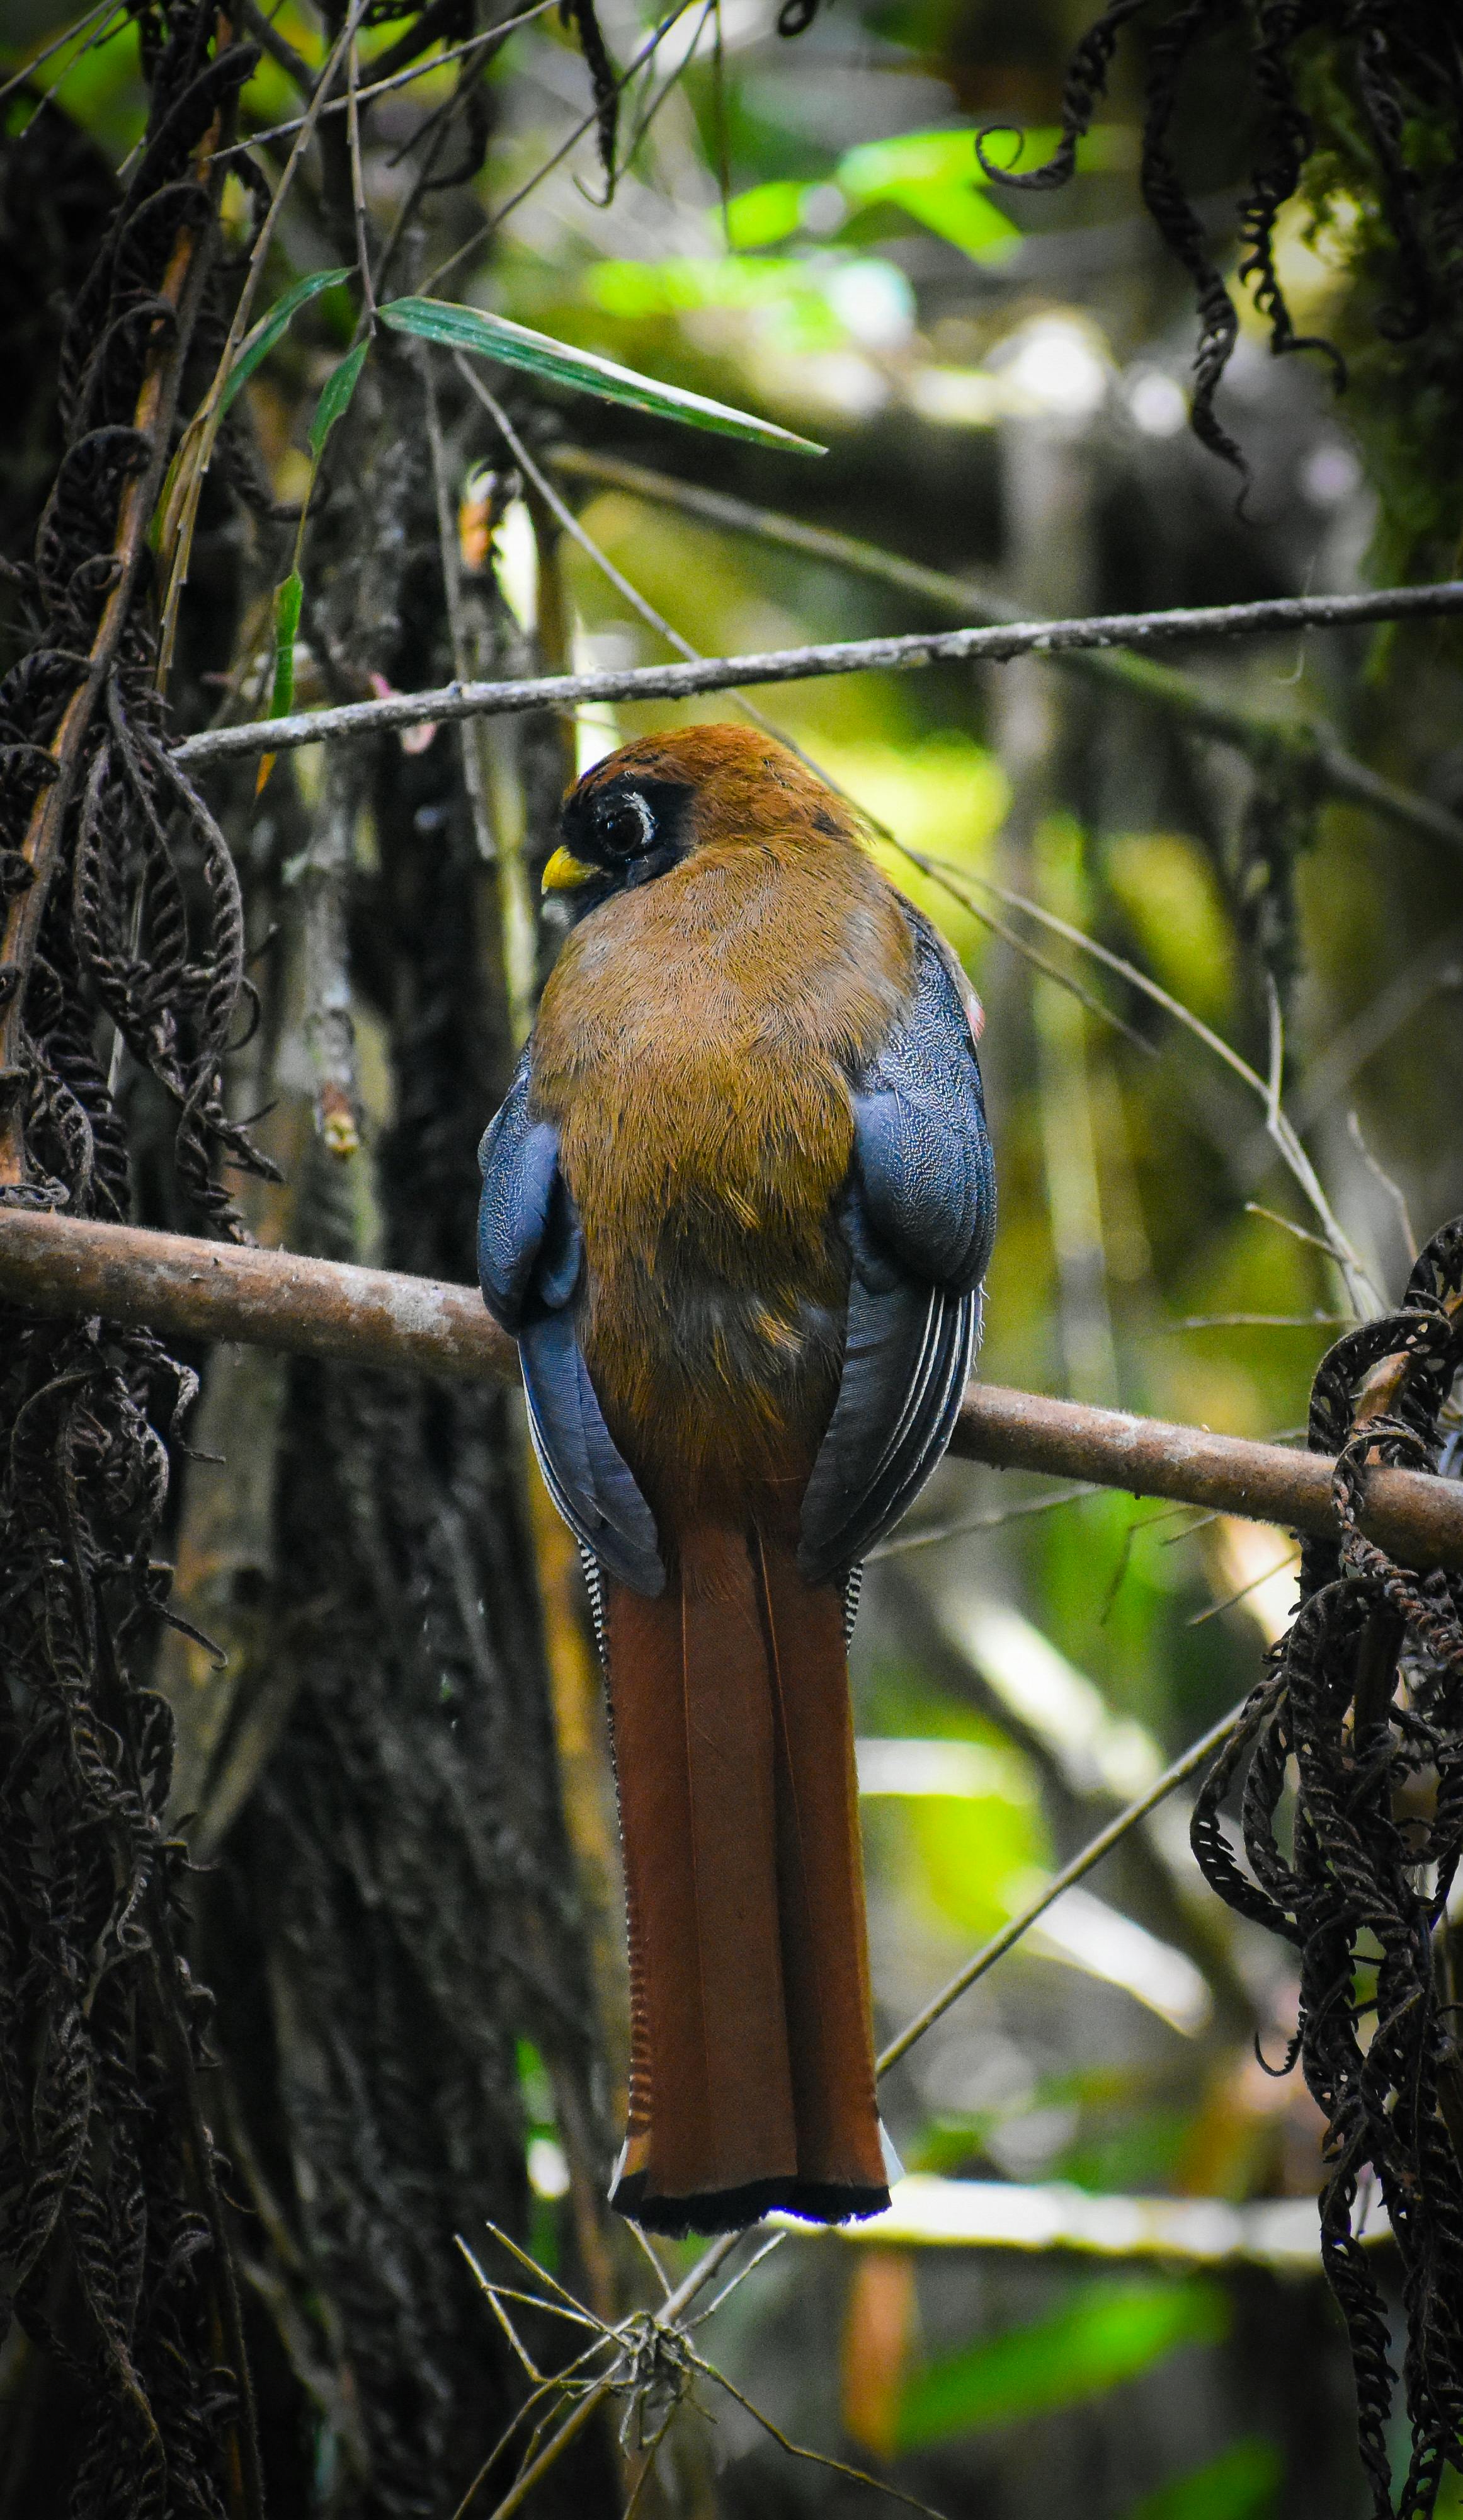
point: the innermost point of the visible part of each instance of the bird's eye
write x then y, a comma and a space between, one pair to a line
625, 825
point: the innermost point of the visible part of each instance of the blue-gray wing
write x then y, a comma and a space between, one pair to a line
919, 1214
530, 1259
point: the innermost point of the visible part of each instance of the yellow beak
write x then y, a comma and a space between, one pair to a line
563, 871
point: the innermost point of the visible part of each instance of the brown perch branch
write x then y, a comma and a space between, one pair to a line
187, 1289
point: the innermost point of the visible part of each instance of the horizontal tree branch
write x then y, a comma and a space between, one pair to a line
1264, 739
981, 645
184, 1287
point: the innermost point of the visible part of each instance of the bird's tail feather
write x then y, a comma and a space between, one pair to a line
751, 2069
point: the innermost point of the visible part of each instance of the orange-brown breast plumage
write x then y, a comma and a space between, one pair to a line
694, 1047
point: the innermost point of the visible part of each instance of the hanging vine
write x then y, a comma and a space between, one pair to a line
1349, 1767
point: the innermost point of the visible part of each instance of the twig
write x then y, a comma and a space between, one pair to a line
821, 2459
358, 180
196, 452
475, 777
401, 78
929, 1537
1394, 1189
270, 39
495, 218
1440, 966
1288, 1225
1091, 1854
831, 656
947, 882
1261, 1321
1262, 738
1364, 1295
58, 43
651, 110
1201, 1618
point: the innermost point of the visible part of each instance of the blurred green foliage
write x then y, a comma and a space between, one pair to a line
1105, 2334
1242, 2484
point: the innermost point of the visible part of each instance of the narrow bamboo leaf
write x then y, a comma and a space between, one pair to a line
1104, 2334
258, 343
493, 337
288, 598
288, 601
335, 397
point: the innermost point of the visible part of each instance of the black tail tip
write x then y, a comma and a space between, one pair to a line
733, 2209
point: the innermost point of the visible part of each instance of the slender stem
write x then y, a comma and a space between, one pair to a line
402, 78
68, 34
1262, 739
1080, 1864
203, 427
358, 180
1366, 1296
983, 643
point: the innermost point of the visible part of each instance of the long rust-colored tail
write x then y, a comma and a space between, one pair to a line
751, 2066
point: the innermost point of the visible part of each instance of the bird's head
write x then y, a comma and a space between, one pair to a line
651, 805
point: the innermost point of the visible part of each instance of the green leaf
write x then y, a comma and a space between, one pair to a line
765, 215
1242, 2484
335, 397
936, 178
1105, 2333
258, 343
493, 337
288, 601
867, 173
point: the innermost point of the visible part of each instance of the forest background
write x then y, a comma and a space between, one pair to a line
382, 1748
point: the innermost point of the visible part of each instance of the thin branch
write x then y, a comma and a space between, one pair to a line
798, 2449
200, 437
931, 1537
944, 878
1264, 739
1394, 1189
739, 2278
358, 180
1364, 1295
474, 774
686, 681
1091, 1854
1261, 1321
1288, 1225
493, 219
402, 78
281, 51
58, 43
668, 89
1201, 1618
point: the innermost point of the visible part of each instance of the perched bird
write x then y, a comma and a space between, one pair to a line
736, 1208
